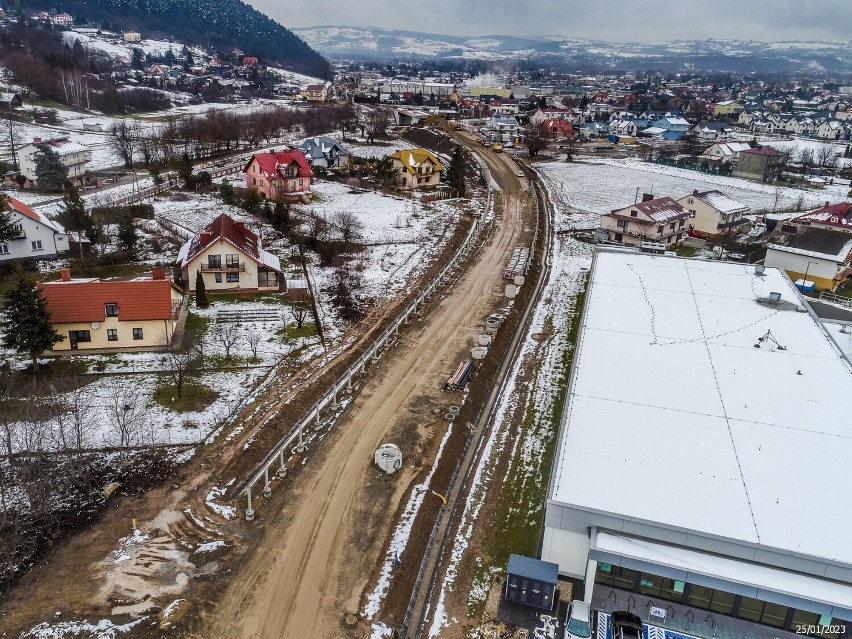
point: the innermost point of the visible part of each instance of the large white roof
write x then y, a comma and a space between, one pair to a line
675, 418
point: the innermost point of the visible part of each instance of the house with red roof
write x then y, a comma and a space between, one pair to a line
230, 258
115, 313
280, 175
38, 237
250, 61
661, 220
815, 248
559, 128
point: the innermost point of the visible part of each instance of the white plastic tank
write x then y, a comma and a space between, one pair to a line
484, 339
389, 458
511, 291
478, 352
519, 280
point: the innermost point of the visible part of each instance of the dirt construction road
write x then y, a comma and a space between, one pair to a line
307, 575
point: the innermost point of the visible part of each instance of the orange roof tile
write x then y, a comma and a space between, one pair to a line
84, 300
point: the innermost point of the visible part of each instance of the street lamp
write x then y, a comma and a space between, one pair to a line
807, 267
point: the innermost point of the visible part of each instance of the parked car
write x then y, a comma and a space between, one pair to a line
497, 148
625, 625
578, 623
519, 173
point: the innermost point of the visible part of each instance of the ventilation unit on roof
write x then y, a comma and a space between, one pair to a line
759, 270
774, 298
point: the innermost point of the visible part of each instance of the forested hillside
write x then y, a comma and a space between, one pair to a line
223, 24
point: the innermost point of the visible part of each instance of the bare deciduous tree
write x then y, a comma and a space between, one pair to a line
299, 309
349, 226
827, 155
126, 413
253, 339
228, 334
179, 363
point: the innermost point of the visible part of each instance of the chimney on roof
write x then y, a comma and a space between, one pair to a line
827, 204
695, 191
205, 237
36, 140
65, 274
158, 273
647, 196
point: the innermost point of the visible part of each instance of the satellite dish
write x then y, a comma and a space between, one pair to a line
96, 324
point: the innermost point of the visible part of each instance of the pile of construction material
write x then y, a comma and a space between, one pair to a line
460, 378
517, 264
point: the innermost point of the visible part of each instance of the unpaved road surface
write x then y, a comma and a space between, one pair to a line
307, 575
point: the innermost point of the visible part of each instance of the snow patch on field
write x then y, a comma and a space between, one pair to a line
223, 510
399, 541
103, 629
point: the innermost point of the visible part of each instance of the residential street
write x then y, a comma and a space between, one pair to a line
307, 574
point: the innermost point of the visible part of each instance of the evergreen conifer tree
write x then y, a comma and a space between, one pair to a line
74, 216
50, 171
26, 322
201, 300
455, 172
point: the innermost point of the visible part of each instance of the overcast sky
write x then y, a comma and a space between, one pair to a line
613, 20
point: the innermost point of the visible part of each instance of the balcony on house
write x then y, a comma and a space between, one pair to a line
227, 267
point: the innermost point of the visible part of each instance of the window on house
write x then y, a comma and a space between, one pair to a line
261, 182
84, 336
233, 277
4, 249
111, 310
301, 182
137, 333
682, 222
214, 261
218, 278
634, 213
622, 224
660, 229
690, 201
112, 335
671, 226
36, 245
254, 181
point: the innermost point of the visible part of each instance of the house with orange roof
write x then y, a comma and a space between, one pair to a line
38, 237
115, 313
281, 175
230, 258
416, 168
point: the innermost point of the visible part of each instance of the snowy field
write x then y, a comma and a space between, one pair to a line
597, 186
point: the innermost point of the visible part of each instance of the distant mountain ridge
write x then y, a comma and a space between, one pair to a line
224, 24
714, 55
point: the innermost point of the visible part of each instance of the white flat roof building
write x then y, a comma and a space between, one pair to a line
688, 452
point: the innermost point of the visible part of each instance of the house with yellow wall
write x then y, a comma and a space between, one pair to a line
116, 313
230, 258
417, 168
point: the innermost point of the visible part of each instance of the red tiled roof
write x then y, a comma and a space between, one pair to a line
660, 210
838, 215
763, 150
228, 229
83, 300
23, 209
271, 163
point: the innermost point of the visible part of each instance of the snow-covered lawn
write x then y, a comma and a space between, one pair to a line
597, 186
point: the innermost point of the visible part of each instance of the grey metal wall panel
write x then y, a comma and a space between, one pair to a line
790, 562
667, 535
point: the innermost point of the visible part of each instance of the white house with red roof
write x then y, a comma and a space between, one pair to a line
63, 20
38, 237
230, 258
280, 175
662, 220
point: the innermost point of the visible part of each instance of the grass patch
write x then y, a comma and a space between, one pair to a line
195, 397
688, 251
219, 361
196, 324
271, 297
292, 332
518, 516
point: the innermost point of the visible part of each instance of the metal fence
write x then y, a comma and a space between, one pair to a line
344, 382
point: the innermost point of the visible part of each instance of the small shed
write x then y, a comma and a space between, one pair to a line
531, 581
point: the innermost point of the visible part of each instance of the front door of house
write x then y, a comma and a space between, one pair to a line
72, 337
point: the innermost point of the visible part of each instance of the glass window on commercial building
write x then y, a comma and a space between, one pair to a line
768, 614
615, 576
663, 587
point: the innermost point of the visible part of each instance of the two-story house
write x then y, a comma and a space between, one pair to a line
504, 128
279, 175
322, 151
316, 93
417, 168
37, 236
713, 212
725, 152
662, 220
815, 247
229, 257
121, 313
762, 163
73, 155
